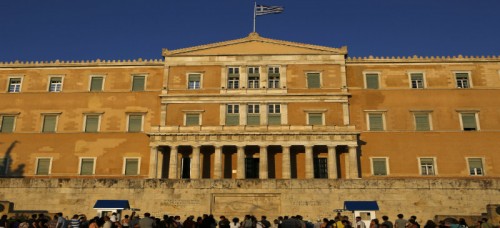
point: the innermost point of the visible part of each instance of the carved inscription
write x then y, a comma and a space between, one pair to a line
179, 202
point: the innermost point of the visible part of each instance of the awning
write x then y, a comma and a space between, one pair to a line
111, 205
361, 205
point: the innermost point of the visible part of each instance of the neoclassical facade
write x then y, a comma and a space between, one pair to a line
252, 108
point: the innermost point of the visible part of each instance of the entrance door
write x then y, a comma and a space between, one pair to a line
252, 168
186, 168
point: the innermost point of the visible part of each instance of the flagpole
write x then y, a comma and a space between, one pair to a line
254, 9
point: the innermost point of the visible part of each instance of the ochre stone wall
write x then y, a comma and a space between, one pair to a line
311, 198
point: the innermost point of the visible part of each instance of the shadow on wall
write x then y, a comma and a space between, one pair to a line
6, 162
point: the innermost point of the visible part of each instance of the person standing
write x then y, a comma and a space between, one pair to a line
359, 223
400, 222
147, 221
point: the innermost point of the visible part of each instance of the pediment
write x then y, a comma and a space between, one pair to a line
255, 45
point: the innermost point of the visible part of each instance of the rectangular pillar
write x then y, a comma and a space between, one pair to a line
240, 171
353, 163
263, 163
159, 163
218, 162
309, 162
286, 172
153, 162
172, 173
195, 163
332, 163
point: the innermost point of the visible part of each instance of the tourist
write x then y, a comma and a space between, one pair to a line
107, 222
415, 220
386, 222
374, 223
264, 222
74, 222
400, 222
485, 223
147, 221
360, 223
235, 223
224, 222
125, 221
189, 222
3, 222
430, 224
462, 223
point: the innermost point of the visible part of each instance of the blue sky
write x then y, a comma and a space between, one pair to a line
33, 30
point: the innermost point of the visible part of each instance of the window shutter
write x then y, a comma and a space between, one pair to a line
422, 122
195, 77
232, 119
426, 161
475, 163
372, 81
192, 119
7, 124
43, 166
379, 166
91, 123
96, 84
274, 119
315, 119
49, 123
138, 83
253, 119
376, 122
87, 166
417, 76
469, 121
131, 166
134, 123
313, 80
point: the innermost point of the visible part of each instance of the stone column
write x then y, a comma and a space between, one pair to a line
218, 162
332, 163
153, 162
195, 163
353, 163
240, 172
263, 166
309, 162
286, 171
172, 173
159, 166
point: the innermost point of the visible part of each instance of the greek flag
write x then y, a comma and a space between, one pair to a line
263, 10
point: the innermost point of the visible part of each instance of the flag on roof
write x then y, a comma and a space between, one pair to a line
263, 10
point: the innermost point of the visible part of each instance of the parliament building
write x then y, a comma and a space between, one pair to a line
253, 109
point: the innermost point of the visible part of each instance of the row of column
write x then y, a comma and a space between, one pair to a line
351, 163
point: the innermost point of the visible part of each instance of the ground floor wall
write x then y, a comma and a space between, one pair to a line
312, 199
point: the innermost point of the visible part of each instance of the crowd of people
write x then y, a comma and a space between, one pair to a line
208, 221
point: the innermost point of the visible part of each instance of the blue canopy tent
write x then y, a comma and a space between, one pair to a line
105, 206
361, 205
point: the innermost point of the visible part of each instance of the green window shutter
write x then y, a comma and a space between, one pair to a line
131, 166
315, 118
49, 123
7, 124
422, 122
135, 123
379, 166
195, 77
376, 122
469, 121
417, 76
92, 123
192, 119
476, 163
253, 119
138, 83
232, 119
43, 166
87, 167
313, 80
274, 119
96, 84
372, 81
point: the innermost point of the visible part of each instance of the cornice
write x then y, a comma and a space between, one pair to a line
422, 59
83, 63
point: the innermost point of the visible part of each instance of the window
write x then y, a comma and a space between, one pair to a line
274, 114
253, 77
320, 168
96, 83
92, 123
87, 166
4, 166
462, 80
233, 78
14, 85
131, 166
273, 77
192, 119
371, 81
7, 124
135, 123
56, 84
417, 80
253, 116
469, 121
43, 166
376, 121
49, 123
422, 121
138, 83
315, 119
194, 81
232, 114
379, 166
427, 166
313, 80
475, 166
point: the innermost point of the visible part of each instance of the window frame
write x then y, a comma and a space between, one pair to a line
482, 159
469, 79
55, 125
13, 129
273, 77
137, 76
99, 118
434, 166
233, 79
251, 112
429, 119
411, 73
94, 159
142, 121
50, 83
384, 124
365, 81
387, 168
308, 117
199, 113
91, 77
49, 171
232, 112
320, 78
200, 82
125, 166
271, 112
476, 118
9, 83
